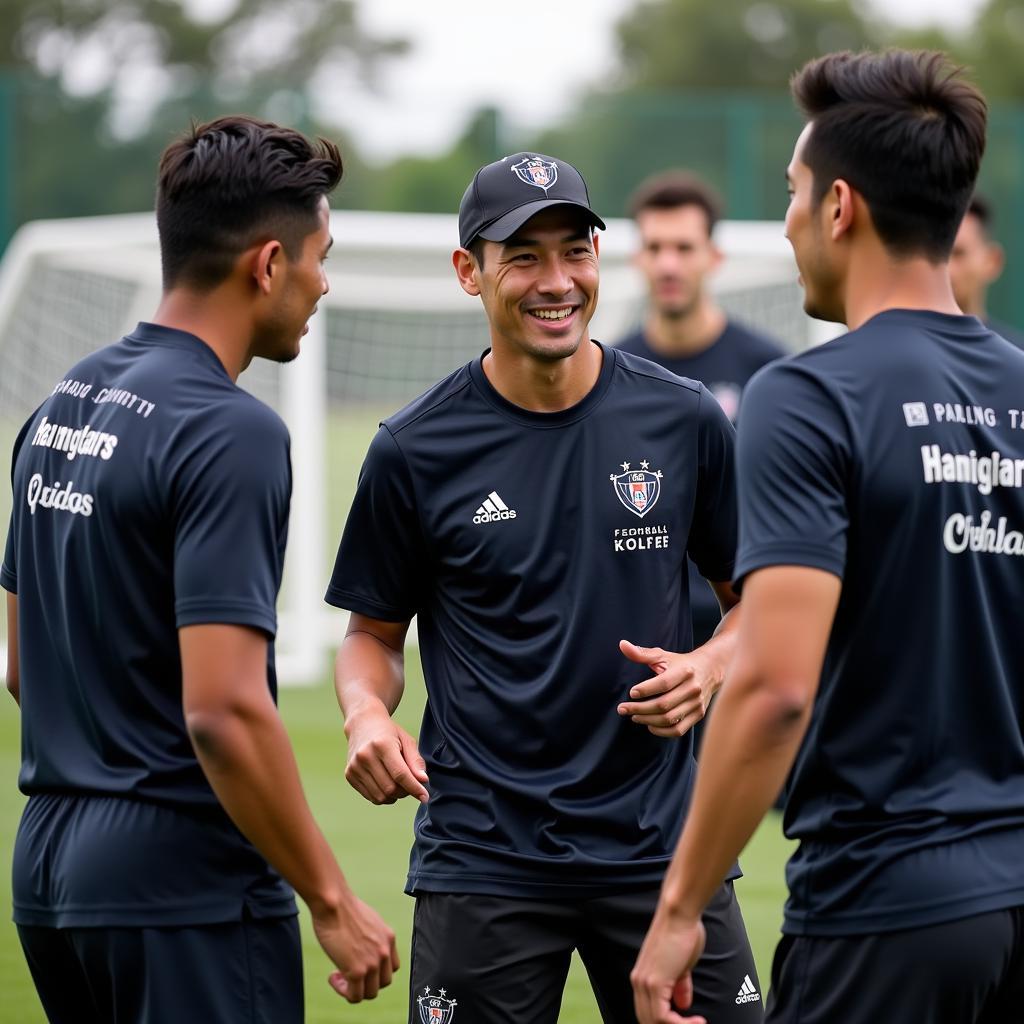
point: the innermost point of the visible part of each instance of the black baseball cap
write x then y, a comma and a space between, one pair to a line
504, 195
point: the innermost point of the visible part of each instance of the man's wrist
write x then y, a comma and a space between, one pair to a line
360, 708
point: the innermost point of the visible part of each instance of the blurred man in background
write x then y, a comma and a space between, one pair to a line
977, 263
685, 329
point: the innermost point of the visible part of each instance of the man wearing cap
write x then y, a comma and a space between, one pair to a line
531, 509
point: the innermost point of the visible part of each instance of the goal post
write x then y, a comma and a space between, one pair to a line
394, 321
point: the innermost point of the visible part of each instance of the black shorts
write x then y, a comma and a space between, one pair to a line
499, 960
969, 971
244, 972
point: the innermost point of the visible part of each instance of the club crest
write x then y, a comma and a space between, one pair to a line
637, 489
537, 172
435, 1008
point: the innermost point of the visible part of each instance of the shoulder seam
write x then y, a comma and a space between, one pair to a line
424, 412
683, 382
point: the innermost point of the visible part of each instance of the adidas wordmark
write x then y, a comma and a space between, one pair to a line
493, 510
747, 992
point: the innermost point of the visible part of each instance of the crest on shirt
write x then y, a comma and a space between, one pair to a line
435, 1007
536, 171
637, 489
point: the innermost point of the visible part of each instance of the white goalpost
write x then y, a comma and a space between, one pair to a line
394, 322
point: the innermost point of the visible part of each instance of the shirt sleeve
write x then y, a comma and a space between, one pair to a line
793, 459
231, 521
379, 570
9, 569
712, 541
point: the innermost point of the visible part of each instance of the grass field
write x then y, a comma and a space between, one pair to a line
372, 844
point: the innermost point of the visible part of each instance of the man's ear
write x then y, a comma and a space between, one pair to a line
266, 265
841, 201
466, 270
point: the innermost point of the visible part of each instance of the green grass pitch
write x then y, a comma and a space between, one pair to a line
372, 844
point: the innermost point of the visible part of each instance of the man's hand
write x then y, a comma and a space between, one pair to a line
384, 762
662, 975
677, 697
361, 945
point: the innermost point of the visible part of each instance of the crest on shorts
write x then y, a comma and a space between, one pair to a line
434, 1007
536, 171
637, 489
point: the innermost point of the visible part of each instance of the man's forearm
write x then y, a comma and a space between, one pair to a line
247, 758
368, 673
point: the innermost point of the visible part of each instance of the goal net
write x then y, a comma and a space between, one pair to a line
394, 322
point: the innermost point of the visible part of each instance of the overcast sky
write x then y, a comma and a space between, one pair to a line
530, 60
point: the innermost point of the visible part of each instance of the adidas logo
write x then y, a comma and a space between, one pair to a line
747, 992
493, 509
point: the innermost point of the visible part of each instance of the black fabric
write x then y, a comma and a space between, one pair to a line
150, 493
528, 544
969, 971
893, 457
498, 960
724, 368
248, 972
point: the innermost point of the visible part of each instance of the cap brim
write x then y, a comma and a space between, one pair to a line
506, 226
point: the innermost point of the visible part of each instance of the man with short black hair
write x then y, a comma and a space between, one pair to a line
530, 509
143, 564
976, 263
685, 329
881, 535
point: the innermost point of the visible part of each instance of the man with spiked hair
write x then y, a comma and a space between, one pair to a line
881, 536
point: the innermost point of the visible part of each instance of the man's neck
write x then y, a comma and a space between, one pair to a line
213, 321
689, 334
876, 284
541, 385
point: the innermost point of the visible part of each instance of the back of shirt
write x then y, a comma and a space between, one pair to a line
893, 457
150, 493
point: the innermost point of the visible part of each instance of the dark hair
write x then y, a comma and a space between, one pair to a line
234, 182
476, 249
906, 131
671, 189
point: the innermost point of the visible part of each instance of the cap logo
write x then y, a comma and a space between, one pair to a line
536, 171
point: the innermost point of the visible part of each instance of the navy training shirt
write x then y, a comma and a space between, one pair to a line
528, 544
150, 493
893, 457
724, 368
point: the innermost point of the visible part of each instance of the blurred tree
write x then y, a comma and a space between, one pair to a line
141, 51
732, 44
92, 90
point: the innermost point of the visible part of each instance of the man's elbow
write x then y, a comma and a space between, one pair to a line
784, 707
14, 687
218, 729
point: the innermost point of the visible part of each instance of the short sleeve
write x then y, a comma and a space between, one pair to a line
793, 456
712, 541
379, 568
9, 569
230, 506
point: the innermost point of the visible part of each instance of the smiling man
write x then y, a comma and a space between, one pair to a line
531, 509
879, 655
